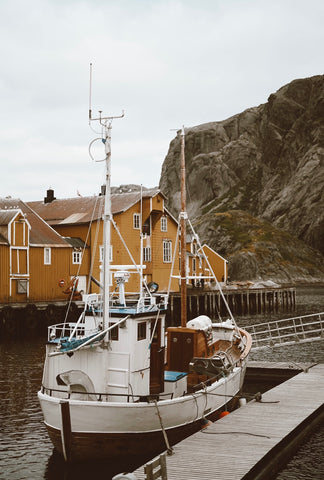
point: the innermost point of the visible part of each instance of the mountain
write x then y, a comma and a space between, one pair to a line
262, 167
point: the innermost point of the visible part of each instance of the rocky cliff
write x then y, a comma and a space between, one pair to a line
262, 165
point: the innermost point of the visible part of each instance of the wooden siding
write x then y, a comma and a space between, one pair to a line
44, 279
161, 270
155, 269
4, 273
75, 231
158, 203
218, 264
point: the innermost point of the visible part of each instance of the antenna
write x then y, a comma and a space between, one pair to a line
90, 92
102, 120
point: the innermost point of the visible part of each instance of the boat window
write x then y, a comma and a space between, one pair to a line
114, 333
141, 331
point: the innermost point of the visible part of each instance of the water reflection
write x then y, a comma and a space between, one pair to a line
57, 468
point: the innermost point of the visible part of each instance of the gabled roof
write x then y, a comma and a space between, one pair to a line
205, 246
40, 233
78, 210
6, 216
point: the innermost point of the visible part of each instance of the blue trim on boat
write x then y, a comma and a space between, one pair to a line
170, 376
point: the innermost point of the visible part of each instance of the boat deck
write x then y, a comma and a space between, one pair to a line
254, 440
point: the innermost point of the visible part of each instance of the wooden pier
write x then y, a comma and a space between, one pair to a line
19, 319
247, 301
256, 440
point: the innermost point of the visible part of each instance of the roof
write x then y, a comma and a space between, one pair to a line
3, 240
6, 216
40, 233
76, 242
205, 246
85, 209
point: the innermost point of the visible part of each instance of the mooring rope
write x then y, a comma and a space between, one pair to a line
169, 449
230, 433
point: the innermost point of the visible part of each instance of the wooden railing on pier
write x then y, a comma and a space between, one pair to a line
246, 301
291, 330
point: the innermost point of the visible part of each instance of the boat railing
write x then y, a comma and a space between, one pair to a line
67, 330
94, 302
291, 330
105, 397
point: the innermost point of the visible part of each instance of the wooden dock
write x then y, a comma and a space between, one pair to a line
243, 301
256, 440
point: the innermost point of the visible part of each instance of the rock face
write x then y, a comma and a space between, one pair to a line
266, 162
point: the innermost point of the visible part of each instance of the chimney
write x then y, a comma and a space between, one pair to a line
103, 191
49, 196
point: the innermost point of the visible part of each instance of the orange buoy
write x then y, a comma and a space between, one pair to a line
205, 423
223, 414
61, 283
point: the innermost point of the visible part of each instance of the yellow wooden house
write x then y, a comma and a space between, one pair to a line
219, 264
143, 232
36, 262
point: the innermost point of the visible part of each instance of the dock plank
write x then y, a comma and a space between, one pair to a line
234, 445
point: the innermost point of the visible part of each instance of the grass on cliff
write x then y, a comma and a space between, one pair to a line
244, 233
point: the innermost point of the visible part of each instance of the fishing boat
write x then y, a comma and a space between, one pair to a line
117, 380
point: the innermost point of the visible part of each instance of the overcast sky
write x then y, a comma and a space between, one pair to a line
167, 63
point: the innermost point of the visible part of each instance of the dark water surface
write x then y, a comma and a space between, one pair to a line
27, 454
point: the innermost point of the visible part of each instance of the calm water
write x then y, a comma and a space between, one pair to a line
27, 454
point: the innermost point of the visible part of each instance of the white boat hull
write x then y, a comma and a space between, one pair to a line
104, 430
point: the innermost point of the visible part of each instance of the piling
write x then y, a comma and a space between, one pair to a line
240, 301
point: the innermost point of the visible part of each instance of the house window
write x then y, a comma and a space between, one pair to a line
147, 254
167, 251
141, 331
136, 221
193, 264
47, 256
101, 253
164, 224
146, 228
22, 286
114, 333
76, 257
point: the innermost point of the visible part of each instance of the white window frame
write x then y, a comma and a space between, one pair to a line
164, 224
47, 256
194, 248
136, 221
101, 253
76, 257
167, 251
147, 254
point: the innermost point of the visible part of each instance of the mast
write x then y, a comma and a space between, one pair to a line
107, 225
105, 122
141, 244
183, 219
